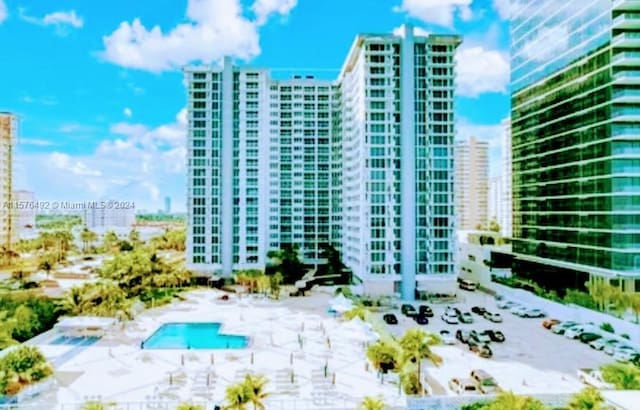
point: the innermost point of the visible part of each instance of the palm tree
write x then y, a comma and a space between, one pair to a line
508, 400
416, 345
87, 237
634, 305
237, 397
384, 356
134, 237
360, 312
254, 385
73, 301
587, 399
372, 403
109, 241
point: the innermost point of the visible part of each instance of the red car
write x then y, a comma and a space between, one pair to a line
547, 324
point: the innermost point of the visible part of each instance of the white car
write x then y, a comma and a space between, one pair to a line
533, 313
574, 332
519, 310
450, 319
561, 328
494, 317
463, 386
447, 338
506, 304
624, 355
594, 378
601, 343
611, 349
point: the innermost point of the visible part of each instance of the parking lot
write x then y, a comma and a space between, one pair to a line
531, 360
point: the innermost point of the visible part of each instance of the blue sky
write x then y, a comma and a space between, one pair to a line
99, 93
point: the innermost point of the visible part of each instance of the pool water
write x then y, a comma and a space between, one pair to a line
193, 336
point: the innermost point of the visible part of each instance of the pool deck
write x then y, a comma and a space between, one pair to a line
292, 341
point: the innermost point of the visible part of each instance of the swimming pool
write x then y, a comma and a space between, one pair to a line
193, 336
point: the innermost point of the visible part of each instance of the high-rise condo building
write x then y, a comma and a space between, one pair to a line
8, 135
472, 183
495, 203
576, 154
364, 162
24, 215
167, 205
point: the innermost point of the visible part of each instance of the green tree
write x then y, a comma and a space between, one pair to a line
110, 241
372, 403
134, 237
587, 399
275, 281
634, 305
7, 326
384, 356
46, 264
623, 376
190, 406
25, 323
332, 255
255, 388
237, 397
494, 226
508, 400
20, 367
287, 262
88, 237
416, 345
360, 312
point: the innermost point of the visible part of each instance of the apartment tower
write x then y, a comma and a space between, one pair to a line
576, 155
472, 183
8, 134
364, 162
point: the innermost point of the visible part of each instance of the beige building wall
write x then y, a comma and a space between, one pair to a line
8, 131
24, 217
471, 183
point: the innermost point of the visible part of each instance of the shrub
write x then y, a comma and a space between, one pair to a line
22, 366
626, 336
607, 327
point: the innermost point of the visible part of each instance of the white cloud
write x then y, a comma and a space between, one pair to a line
417, 31
38, 142
503, 8
39, 100
440, 12
4, 13
481, 70
546, 43
214, 29
127, 112
137, 165
263, 9
61, 20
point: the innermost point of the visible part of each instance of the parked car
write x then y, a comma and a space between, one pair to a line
493, 317
463, 386
560, 328
480, 338
465, 317
576, 331
483, 351
494, 335
533, 313
486, 383
625, 355
518, 310
425, 310
421, 319
452, 310
467, 285
611, 349
450, 319
593, 377
408, 310
447, 338
478, 310
600, 344
463, 335
547, 324
390, 319
589, 337
506, 304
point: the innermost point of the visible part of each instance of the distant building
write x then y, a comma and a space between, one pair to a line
496, 203
483, 254
167, 205
101, 217
8, 135
471, 183
24, 217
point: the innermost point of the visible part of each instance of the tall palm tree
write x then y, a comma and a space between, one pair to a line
237, 397
634, 305
73, 301
587, 399
416, 345
372, 403
87, 237
255, 387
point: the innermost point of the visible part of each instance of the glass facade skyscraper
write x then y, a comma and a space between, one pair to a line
576, 141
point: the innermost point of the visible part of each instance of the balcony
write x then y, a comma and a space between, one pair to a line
626, 96
626, 77
630, 40
626, 114
626, 5
627, 58
627, 20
